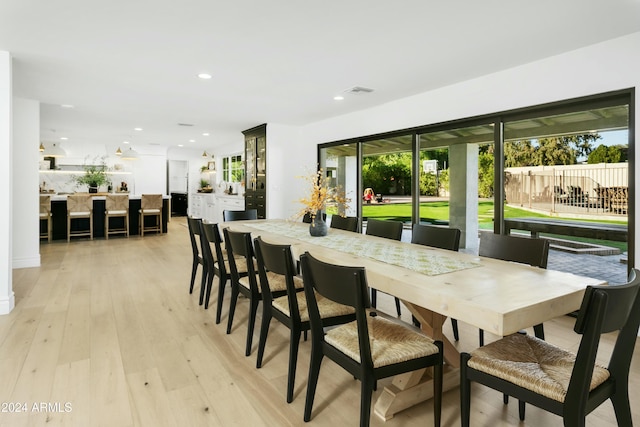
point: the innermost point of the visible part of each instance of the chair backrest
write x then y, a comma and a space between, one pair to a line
79, 203
212, 235
45, 204
605, 309
276, 259
151, 201
194, 225
534, 252
238, 244
341, 284
117, 202
240, 215
437, 237
387, 229
349, 223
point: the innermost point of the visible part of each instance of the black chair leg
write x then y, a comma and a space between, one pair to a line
293, 361
207, 295
465, 391
481, 337
374, 297
203, 285
438, 372
232, 305
312, 381
521, 406
264, 331
221, 286
454, 325
253, 308
365, 401
194, 269
621, 405
538, 331
398, 307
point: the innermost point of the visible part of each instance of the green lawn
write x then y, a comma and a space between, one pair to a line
439, 211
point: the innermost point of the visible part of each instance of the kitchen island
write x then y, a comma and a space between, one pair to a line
59, 215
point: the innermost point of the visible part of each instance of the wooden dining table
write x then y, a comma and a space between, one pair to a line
498, 296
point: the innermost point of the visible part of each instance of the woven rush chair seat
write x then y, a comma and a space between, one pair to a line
277, 282
533, 364
391, 342
240, 264
326, 307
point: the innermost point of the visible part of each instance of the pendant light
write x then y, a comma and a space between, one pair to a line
55, 151
130, 154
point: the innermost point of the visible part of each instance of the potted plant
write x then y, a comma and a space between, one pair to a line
205, 187
94, 176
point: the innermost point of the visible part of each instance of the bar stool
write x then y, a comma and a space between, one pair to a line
151, 205
116, 206
45, 215
79, 206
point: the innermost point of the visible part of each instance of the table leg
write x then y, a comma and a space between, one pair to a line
414, 387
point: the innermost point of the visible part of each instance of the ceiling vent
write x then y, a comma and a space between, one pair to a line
357, 90
185, 124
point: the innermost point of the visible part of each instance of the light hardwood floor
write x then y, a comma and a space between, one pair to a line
105, 333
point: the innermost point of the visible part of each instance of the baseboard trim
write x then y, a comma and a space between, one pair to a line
7, 304
26, 262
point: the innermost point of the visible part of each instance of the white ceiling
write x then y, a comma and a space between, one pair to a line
126, 64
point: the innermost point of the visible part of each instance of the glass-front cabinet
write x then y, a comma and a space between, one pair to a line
255, 154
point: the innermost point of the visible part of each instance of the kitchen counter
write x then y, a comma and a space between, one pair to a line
59, 215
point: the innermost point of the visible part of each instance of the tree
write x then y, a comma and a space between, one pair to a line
485, 171
518, 153
559, 150
387, 173
605, 154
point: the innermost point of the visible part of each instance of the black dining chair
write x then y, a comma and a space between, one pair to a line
370, 348
239, 215
275, 268
241, 257
194, 226
389, 230
442, 238
218, 264
567, 384
534, 252
348, 223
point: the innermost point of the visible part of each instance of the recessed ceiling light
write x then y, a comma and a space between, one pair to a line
205, 134
125, 142
192, 140
66, 106
204, 76
138, 129
64, 138
338, 98
180, 145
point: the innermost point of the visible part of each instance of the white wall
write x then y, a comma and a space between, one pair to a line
602, 67
7, 298
26, 138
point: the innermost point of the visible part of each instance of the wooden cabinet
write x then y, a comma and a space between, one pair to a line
255, 155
